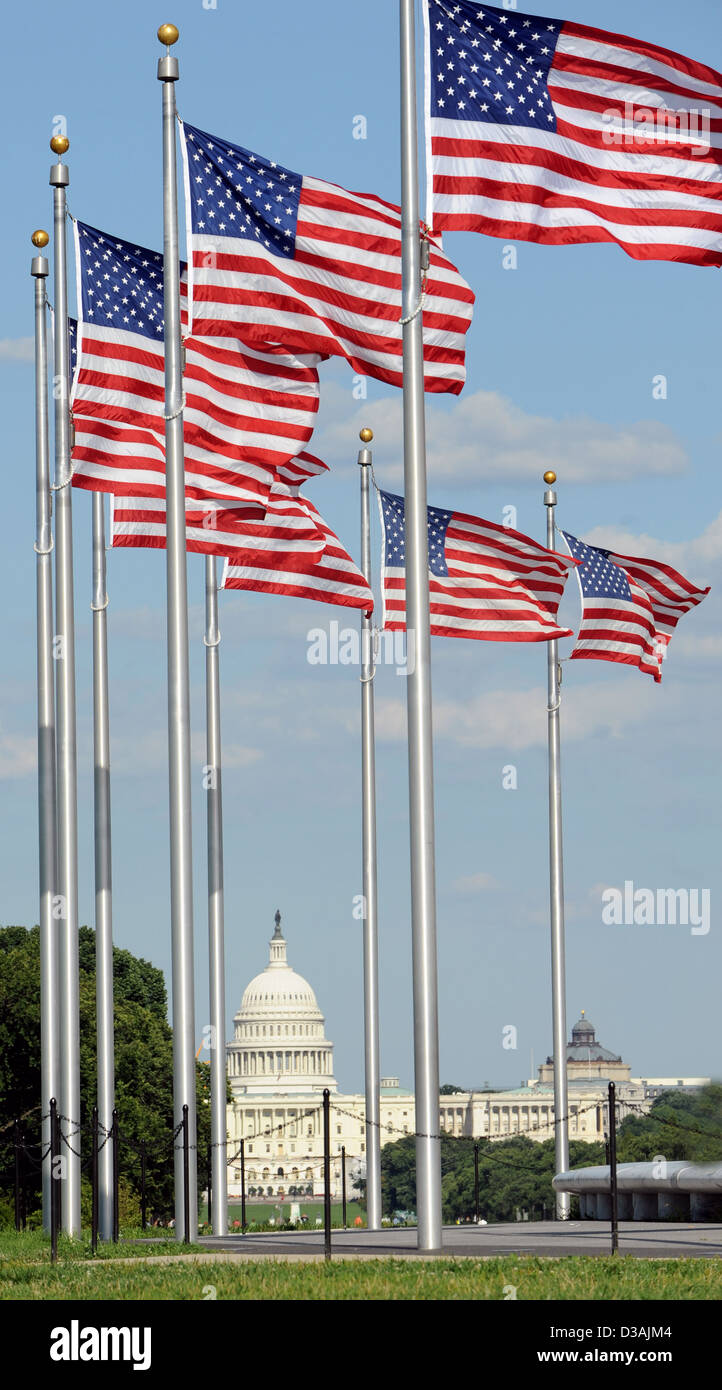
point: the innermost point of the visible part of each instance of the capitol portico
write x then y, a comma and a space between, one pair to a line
280, 1061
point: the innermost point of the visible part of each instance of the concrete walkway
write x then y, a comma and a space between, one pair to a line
653, 1239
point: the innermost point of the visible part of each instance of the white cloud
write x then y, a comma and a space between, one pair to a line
575, 910
133, 755
390, 719
17, 350
705, 648
516, 719
693, 557
237, 755
474, 883
18, 756
233, 754
142, 624
484, 435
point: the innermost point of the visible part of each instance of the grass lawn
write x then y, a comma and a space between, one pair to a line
259, 1213
26, 1273
33, 1247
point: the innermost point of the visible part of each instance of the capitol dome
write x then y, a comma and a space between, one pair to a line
278, 992
279, 1040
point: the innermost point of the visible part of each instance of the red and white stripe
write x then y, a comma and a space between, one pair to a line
247, 412
502, 586
340, 295
212, 527
637, 634
656, 199
329, 576
283, 547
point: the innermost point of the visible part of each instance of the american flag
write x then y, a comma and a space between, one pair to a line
548, 131
246, 411
282, 258
485, 581
283, 547
630, 606
325, 573
214, 528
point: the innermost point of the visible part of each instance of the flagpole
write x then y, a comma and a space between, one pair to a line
47, 830
103, 873
370, 891
219, 1167
556, 892
184, 1081
418, 690
66, 749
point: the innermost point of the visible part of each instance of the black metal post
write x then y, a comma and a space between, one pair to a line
115, 1132
186, 1181
476, 1184
16, 1147
94, 1182
327, 1173
243, 1184
613, 1167
343, 1184
23, 1177
54, 1180
143, 1207
210, 1185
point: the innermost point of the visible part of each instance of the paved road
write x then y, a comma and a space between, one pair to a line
653, 1239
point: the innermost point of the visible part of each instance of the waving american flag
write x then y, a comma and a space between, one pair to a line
485, 581
281, 258
319, 569
631, 606
549, 131
247, 411
282, 547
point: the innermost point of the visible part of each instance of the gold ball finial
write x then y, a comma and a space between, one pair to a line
366, 435
40, 238
168, 34
59, 144
550, 477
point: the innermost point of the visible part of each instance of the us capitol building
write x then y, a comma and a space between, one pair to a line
280, 1061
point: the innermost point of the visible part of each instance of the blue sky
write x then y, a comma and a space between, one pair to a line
561, 359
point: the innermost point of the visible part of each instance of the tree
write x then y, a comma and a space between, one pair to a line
514, 1175
679, 1126
447, 1090
143, 1062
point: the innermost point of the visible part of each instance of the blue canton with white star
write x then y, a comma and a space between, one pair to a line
121, 284
235, 193
598, 575
73, 345
491, 65
395, 548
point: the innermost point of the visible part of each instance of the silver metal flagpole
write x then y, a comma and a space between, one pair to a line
219, 1167
179, 749
103, 874
67, 763
418, 690
370, 893
47, 830
556, 892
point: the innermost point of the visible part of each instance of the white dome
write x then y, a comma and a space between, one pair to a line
279, 1042
279, 992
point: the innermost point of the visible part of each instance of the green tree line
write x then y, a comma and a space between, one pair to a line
515, 1174
143, 1064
